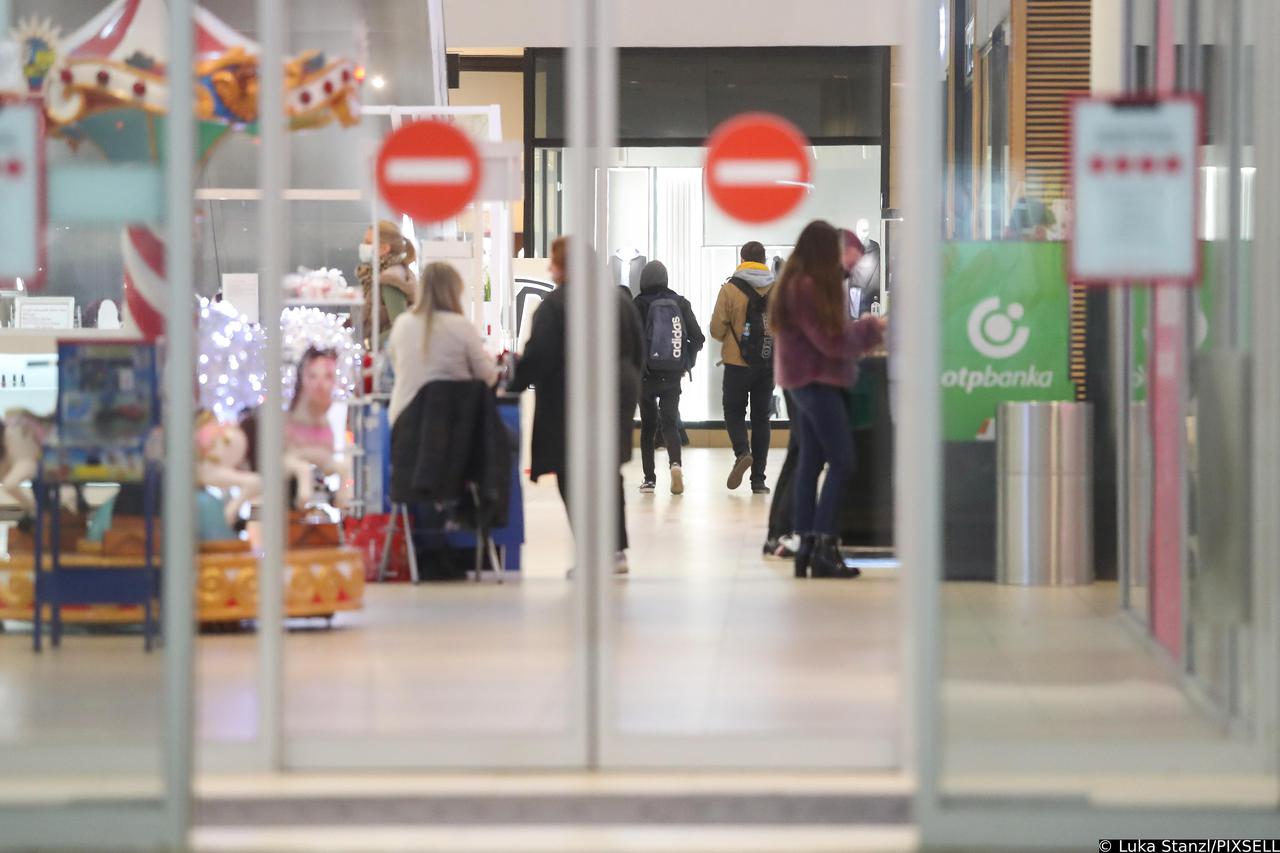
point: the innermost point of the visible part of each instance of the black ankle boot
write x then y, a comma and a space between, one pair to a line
803, 555
827, 561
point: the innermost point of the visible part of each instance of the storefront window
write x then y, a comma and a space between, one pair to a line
670, 100
658, 210
680, 93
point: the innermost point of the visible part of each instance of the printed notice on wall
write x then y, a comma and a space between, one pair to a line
44, 312
1134, 181
240, 289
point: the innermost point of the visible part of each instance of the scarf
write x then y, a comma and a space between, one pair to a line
364, 273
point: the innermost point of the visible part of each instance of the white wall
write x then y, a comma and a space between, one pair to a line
506, 89
1106, 49
679, 23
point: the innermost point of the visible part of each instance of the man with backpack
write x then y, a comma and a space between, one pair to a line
672, 341
741, 324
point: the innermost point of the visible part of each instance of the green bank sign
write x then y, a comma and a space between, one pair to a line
1006, 327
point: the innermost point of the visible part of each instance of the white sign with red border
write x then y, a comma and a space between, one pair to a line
21, 203
758, 168
1135, 181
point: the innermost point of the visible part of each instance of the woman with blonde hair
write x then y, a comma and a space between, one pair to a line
434, 340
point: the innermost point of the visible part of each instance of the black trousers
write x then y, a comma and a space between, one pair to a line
659, 407
562, 483
783, 502
743, 387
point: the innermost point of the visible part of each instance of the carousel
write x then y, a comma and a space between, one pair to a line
105, 87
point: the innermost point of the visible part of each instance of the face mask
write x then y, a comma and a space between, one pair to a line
366, 253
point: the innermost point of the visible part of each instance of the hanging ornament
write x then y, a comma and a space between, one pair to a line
305, 328
230, 366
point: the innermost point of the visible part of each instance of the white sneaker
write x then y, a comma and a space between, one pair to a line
620, 566
677, 480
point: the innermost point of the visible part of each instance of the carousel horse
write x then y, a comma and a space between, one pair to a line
22, 437
222, 453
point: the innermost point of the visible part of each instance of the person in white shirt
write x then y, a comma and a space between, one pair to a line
434, 340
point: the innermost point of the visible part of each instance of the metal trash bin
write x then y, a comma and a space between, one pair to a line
1044, 494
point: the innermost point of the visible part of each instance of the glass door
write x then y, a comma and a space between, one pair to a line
97, 578
394, 653
1047, 712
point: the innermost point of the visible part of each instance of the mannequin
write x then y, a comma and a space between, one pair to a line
625, 266
308, 437
865, 274
395, 281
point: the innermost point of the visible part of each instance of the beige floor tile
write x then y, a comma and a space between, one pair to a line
710, 639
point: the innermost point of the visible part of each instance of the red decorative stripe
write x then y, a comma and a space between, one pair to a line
149, 320
109, 38
149, 247
206, 42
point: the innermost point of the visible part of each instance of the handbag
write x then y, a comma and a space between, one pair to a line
860, 400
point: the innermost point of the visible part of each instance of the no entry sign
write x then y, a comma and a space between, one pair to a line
428, 170
1134, 180
758, 167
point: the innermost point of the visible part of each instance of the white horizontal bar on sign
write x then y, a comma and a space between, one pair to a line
428, 170
756, 173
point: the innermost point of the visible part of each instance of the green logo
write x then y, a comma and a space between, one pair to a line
1006, 327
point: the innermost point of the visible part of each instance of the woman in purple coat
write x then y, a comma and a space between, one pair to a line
817, 347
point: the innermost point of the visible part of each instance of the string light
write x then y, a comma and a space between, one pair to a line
231, 361
231, 368
310, 327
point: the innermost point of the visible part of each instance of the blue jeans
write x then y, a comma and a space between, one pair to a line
822, 421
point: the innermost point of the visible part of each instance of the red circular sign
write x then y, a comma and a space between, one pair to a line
758, 168
428, 170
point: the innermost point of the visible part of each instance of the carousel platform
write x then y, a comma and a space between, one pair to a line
318, 582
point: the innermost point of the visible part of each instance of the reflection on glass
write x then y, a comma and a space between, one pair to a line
1061, 692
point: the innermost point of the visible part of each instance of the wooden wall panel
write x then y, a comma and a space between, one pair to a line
1057, 66
1051, 60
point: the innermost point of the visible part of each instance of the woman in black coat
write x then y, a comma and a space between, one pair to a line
543, 365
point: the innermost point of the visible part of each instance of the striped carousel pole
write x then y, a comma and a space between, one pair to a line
144, 279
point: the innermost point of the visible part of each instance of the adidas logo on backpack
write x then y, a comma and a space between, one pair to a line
665, 335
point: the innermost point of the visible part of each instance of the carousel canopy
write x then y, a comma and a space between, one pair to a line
119, 60
139, 28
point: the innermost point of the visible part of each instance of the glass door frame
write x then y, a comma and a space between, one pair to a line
980, 822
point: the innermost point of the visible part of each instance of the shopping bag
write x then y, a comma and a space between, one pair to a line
368, 535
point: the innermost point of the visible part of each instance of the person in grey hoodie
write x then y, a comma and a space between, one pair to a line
748, 377
673, 340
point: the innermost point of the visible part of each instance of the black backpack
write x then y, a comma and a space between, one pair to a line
664, 336
755, 342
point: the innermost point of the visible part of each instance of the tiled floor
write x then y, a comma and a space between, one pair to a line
711, 641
